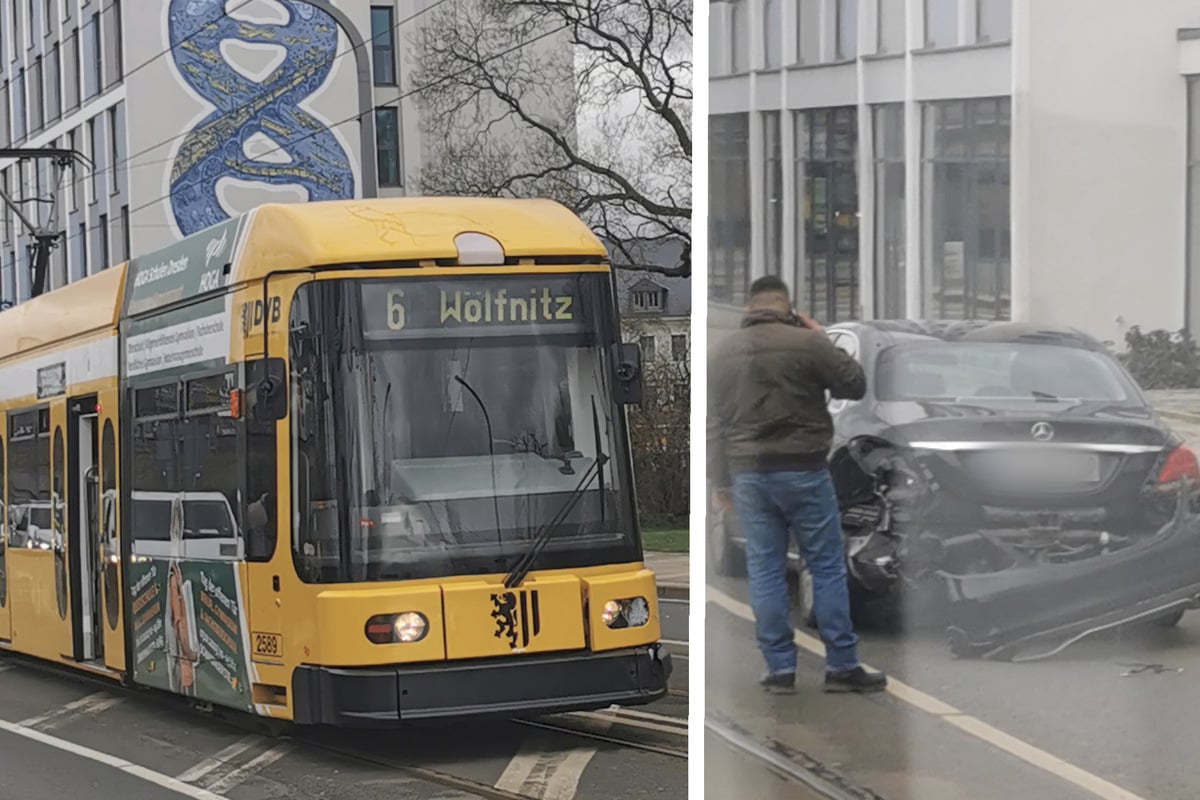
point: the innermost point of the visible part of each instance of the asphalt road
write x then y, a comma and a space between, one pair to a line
627, 753
1075, 726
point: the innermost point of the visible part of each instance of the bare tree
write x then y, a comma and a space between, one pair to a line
587, 102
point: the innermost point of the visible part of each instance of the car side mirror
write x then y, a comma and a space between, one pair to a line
266, 391
629, 374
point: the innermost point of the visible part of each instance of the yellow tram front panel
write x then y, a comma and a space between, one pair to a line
344, 616
485, 619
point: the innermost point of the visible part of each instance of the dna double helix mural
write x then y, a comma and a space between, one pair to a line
309, 154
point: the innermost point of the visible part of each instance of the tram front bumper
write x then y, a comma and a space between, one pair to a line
379, 696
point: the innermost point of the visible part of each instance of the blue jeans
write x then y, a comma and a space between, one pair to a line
768, 504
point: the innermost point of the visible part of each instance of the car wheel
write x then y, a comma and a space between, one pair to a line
726, 558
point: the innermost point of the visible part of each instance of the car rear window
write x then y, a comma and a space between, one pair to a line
995, 371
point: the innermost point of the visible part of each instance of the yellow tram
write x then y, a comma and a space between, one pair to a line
340, 463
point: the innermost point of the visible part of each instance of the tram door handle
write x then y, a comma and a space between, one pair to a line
275, 582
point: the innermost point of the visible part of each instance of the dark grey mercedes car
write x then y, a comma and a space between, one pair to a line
1007, 482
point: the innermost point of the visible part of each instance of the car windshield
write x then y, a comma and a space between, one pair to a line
982, 372
152, 518
440, 426
207, 519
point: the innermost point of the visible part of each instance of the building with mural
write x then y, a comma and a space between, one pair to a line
190, 111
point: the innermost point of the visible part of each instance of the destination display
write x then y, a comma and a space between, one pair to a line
472, 306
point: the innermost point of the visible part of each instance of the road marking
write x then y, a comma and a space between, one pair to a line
952, 716
217, 759
223, 783
5, 667
548, 775
166, 781
85, 706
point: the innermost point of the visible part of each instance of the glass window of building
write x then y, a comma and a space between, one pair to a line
993, 20
383, 49
729, 208
966, 256
941, 23
827, 180
891, 27
739, 46
1193, 207
808, 21
890, 239
772, 34
772, 192
387, 143
847, 29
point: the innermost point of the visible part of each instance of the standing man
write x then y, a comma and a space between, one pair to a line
769, 435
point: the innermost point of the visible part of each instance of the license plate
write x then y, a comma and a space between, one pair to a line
1044, 468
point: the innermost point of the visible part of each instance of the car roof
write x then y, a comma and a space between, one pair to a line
903, 330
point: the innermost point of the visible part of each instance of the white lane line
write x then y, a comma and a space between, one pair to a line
952, 716
224, 783
5, 667
621, 711
166, 781
217, 759
91, 705
548, 775
600, 716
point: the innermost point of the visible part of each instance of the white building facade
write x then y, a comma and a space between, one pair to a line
995, 159
192, 111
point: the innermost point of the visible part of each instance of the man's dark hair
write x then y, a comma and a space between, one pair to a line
769, 284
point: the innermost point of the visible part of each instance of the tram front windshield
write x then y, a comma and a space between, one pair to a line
438, 427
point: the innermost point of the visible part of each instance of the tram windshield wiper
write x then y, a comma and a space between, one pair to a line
525, 563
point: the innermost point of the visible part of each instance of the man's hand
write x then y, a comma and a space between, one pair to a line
809, 322
722, 500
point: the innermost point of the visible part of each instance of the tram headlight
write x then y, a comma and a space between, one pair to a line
631, 612
403, 628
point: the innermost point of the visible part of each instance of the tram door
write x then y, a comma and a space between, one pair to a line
84, 518
5, 612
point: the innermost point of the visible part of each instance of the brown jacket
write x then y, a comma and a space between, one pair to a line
767, 407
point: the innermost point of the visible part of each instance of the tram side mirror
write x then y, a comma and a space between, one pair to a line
266, 391
629, 375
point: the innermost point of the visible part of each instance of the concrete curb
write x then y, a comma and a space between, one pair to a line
673, 591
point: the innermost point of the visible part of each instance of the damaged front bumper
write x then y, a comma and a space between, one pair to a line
1031, 612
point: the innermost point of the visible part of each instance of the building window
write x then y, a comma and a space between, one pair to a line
648, 300
95, 37
83, 259
966, 260
19, 129
649, 351
729, 207
114, 151
1193, 208
941, 23
387, 145
891, 27
679, 347
6, 214
827, 178
383, 48
71, 71
847, 29
808, 35
94, 152
102, 229
772, 30
739, 15
37, 107
116, 59
15, 25
772, 192
29, 25
5, 127
890, 240
53, 84
126, 250
993, 20
73, 144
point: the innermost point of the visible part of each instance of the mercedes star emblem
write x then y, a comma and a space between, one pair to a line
1042, 431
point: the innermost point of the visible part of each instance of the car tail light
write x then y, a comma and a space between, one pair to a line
1181, 467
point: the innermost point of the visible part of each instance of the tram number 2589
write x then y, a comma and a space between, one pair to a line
268, 645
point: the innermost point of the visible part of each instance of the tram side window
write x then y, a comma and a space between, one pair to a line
155, 461
29, 505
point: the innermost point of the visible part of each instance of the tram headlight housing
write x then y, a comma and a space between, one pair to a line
403, 628
630, 612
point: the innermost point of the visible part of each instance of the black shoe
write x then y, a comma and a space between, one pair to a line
855, 680
779, 682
